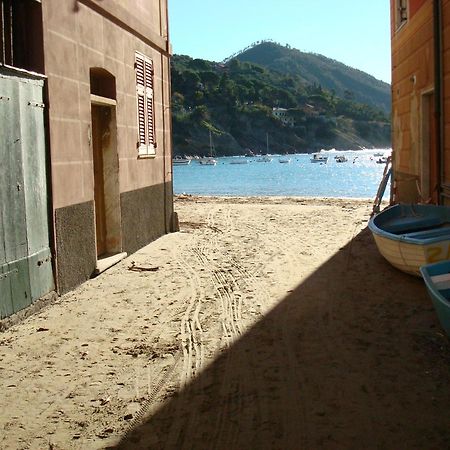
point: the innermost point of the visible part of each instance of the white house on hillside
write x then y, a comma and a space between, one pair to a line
283, 115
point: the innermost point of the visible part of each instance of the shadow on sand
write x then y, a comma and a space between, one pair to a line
352, 358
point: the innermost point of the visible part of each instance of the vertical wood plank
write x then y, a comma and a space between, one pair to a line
35, 187
15, 275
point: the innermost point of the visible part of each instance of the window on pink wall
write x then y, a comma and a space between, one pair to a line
21, 41
145, 105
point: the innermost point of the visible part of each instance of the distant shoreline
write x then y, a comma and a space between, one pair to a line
268, 199
258, 155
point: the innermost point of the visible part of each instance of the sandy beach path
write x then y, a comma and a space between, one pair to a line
263, 324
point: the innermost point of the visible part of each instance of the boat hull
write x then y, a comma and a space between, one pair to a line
437, 281
207, 162
411, 236
184, 162
410, 257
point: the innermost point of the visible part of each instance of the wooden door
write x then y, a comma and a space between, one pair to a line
25, 258
99, 124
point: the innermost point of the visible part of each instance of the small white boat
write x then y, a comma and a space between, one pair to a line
207, 161
340, 159
319, 158
267, 157
378, 154
239, 161
284, 160
179, 161
382, 160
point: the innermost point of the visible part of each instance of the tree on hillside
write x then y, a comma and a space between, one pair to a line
227, 89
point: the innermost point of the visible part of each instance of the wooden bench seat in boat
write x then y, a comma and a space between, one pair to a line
429, 234
411, 224
442, 282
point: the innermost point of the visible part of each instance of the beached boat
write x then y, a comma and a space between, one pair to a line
437, 280
411, 236
179, 161
319, 158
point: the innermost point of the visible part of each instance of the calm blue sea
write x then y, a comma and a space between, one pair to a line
359, 177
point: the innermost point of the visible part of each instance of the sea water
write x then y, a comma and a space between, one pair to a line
359, 177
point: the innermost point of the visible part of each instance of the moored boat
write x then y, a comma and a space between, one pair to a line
179, 161
264, 158
437, 281
319, 158
207, 161
411, 236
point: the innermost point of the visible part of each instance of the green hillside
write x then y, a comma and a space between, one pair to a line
314, 68
234, 102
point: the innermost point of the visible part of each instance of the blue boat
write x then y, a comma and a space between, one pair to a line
411, 236
437, 280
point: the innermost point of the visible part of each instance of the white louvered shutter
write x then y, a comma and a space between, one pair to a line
140, 94
145, 105
151, 138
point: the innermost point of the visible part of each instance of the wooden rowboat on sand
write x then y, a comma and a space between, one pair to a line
411, 236
437, 280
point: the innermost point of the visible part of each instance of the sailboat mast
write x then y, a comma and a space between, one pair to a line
267, 143
210, 144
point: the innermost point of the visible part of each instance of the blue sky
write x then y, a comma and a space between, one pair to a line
354, 32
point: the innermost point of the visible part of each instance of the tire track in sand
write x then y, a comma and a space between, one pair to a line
234, 284
190, 328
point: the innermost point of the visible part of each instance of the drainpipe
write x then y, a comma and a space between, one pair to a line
167, 227
172, 226
438, 89
164, 123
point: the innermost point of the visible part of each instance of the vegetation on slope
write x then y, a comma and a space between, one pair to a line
233, 102
318, 69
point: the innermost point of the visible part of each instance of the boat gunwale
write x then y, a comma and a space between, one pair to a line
407, 237
441, 304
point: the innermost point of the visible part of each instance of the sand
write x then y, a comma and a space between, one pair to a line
265, 323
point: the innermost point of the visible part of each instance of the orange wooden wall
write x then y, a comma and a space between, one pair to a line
412, 78
414, 6
412, 75
446, 87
